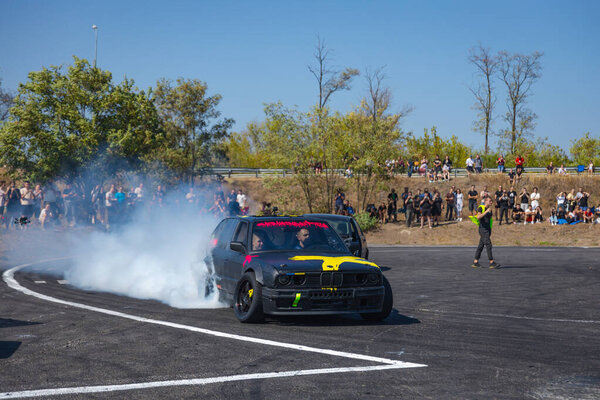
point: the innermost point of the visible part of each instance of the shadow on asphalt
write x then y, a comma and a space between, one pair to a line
516, 266
7, 349
9, 323
395, 318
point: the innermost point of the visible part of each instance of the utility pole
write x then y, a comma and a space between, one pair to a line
95, 28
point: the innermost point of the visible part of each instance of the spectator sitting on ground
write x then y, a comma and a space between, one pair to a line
562, 170
588, 216
446, 172
538, 215
553, 217
529, 215
372, 210
511, 177
550, 168
501, 161
518, 214
578, 213
469, 164
348, 209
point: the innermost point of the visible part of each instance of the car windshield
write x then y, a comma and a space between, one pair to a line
295, 235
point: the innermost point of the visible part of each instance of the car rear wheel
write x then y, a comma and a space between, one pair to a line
248, 299
388, 302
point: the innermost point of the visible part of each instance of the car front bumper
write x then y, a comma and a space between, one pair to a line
322, 301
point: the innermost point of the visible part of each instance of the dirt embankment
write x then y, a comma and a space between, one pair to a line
288, 196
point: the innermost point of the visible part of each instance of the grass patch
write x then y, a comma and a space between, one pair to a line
545, 243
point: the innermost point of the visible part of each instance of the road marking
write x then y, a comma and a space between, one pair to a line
578, 321
39, 281
62, 282
190, 382
8, 277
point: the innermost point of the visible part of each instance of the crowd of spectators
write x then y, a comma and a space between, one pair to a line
107, 206
424, 206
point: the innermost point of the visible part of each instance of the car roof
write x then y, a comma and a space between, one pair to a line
329, 216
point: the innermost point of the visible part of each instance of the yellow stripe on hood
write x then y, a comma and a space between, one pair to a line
333, 263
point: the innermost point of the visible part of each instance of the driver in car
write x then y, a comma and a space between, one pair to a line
257, 242
302, 237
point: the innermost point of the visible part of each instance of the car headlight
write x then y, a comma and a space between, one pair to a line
373, 278
283, 279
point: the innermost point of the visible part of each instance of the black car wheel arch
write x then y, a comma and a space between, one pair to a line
248, 299
388, 303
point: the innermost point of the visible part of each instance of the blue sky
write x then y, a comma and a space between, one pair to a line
254, 52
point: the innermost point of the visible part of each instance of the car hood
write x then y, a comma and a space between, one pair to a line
312, 262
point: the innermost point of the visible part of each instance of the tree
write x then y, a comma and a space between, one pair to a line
78, 126
518, 72
6, 101
586, 149
194, 132
485, 64
329, 80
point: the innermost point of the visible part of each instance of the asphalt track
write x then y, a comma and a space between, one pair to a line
528, 330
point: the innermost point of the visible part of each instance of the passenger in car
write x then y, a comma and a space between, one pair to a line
302, 237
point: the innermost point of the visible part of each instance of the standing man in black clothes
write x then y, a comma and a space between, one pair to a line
484, 218
409, 205
393, 205
497, 196
472, 196
503, 204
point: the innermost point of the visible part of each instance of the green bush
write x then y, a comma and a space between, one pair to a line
365, 221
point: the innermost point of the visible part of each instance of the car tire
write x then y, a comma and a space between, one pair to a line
388, 303
247, 304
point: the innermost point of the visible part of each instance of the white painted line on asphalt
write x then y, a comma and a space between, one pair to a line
39, 281
62, 282
577, 321
10, 280
190, 382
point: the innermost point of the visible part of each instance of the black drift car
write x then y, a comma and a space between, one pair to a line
293, 266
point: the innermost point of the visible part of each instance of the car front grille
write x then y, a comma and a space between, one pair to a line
335, 279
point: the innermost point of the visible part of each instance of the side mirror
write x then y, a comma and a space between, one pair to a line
238, 246
357, 253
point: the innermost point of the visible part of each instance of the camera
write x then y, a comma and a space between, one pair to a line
22, 221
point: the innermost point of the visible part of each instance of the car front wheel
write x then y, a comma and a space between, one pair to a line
248, 299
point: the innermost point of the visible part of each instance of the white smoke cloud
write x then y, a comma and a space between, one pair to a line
160, 257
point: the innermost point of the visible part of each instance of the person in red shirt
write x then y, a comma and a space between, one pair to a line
501, 161
519, 161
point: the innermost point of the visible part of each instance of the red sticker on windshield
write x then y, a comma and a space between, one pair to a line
295, 224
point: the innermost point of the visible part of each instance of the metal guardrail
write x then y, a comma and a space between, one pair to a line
283, 172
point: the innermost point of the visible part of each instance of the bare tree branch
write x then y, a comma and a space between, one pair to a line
329, 80
486, 65
518, 72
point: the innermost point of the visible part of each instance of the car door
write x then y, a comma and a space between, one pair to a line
235, 260
221, 251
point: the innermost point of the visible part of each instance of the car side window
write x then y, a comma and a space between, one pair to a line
226, 233
241, 233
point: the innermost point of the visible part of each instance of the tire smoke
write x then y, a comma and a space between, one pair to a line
159, 257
